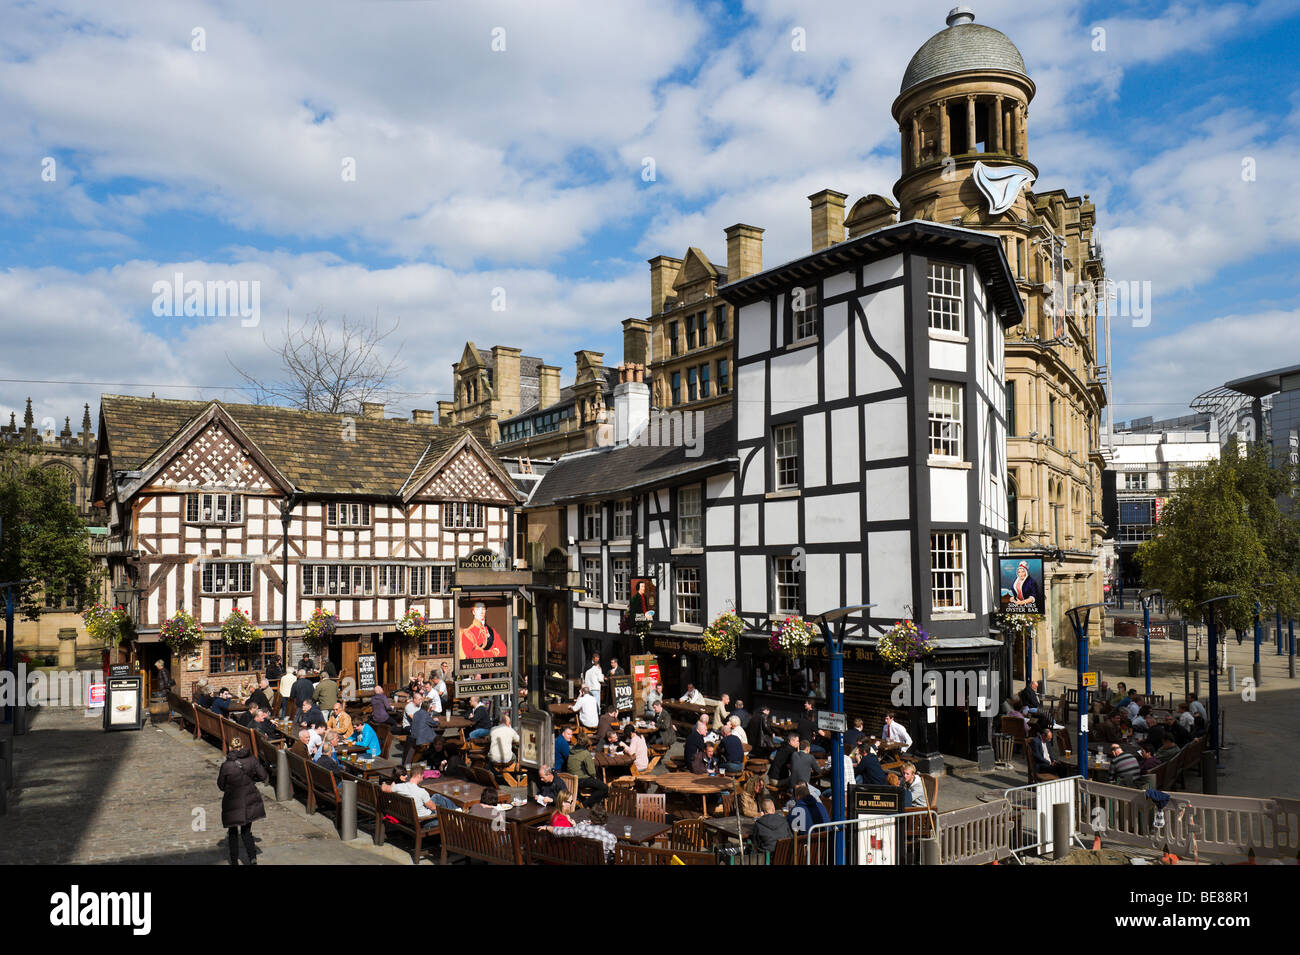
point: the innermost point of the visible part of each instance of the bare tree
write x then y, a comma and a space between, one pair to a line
324, 368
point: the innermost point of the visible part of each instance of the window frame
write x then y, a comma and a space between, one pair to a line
455, 514
787, 464
690, 615
787, 593
624, 518
593, 521
941, 444
956, 569
208, 578
804, 325
593, 578
228, 503
690, 534
943, 288
620, 579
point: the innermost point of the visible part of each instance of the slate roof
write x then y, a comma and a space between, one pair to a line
961, 47
308, 448
610, 376
602, 472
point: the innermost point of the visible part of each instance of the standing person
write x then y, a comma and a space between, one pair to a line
274, 670
761, 735
895, 732
288, 680
163, 682
241, 803
593, 678
326, 693
439, 692
303, 690
614, 668
721, 712
423, 731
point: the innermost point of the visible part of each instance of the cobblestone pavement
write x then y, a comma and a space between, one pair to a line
82, 795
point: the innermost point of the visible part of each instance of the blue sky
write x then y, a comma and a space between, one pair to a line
520, 169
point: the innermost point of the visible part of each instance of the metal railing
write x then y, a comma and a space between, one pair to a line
1030, 808
976, 835
870, 840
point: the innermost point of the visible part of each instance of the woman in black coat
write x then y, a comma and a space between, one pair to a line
241, 803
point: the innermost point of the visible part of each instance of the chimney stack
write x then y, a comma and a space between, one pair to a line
372, 409
446, 412
420, 416
636, 340
827, 218
548, 385
744, 251
663, 273
631, 404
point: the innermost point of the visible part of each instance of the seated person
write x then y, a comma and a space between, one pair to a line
1110, 730
246, 718
606, 722
221, 702
853, 734
561, 818
259, 694
1124, 767
502, 742
751, 797
1148, 761
914, 788
338, 720
667, 732
632, 743
310, 716
704, 761
262, 723
593, 829
806, 812
202, 695
770, 827
1041, 753
869, 770
1140, 723
1167, 751
325, 758
738, 728
733, 750
426, 803
480, 717
364, 735
691, 695
549, 787
583, 765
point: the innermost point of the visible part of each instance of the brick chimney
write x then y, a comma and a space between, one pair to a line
636, 341
446, 412
631, 403
663, 273
372, 409
744, 251
827, 218
548, 385
420, 416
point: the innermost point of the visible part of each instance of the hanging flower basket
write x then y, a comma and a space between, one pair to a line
723, 635
793, 635
904, 643
181, 633
319, 630
108, 625
1014, 624
238, 631
413, 624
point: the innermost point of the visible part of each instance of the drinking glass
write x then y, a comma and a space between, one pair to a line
627, 832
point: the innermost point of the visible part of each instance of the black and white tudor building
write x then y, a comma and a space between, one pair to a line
862, 461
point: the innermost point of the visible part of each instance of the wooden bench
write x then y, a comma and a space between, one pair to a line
626, 854
301, 781
368, 802
545, 848
396, 806
236, 737
325, 791
474, 838
184, 710
208, 723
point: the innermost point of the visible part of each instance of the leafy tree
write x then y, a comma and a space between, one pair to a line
1222, 533
42, 537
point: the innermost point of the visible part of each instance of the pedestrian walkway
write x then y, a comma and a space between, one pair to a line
82, 795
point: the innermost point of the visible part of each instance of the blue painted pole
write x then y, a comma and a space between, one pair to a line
1214, 687
1082, 734
1259, 633
837, 739
1146, 638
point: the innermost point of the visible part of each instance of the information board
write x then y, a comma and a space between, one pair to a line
832, 722
366, 670
621, 688
874, 800
122, 707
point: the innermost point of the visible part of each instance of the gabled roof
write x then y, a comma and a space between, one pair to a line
316, 453
604, 472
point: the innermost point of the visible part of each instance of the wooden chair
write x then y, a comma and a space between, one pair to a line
325, 791
651, 807
395, 806
570, 783
785, 851
545, 848
301, 781
621, 802
689, 834
474, 838
1034, 776
931, 783
626, 854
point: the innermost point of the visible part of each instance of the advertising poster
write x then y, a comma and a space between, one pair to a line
1022, 585
482, 636
557, 633
644, 602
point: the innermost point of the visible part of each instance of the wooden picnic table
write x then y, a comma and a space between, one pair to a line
724, 827
378, 768
691, 784
529, 814
607, 761
457, 723
643, 831
460, 791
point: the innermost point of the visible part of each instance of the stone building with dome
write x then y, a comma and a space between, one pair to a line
963, 118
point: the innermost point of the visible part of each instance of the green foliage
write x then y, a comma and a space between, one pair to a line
1222, 533
43, 537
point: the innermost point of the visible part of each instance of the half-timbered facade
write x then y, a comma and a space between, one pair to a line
378, 510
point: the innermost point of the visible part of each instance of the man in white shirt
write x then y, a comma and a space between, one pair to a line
593, 678
502, 741
424, 805
439, 691
587, 708
286, 687
413, 704
895, 732
691, 695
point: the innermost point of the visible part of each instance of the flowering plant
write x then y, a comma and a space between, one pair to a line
413, 624
904, 642
238, 630
1014, 624
182, 633
793, 635
109, 625
721, 636
319, 629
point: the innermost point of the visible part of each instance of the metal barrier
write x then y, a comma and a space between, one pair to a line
1192, 824
975, 835
1030, 808
871, 840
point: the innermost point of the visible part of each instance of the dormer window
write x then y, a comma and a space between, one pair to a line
347, 515
214, 509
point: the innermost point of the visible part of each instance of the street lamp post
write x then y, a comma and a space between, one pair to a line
835, 651
1214, 671
1148, 596
1259, 638
1079, 620
286, 516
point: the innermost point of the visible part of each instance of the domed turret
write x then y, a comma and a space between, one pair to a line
964, 45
